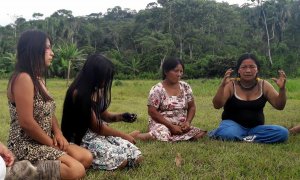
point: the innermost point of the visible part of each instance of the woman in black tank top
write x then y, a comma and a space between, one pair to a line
243, 100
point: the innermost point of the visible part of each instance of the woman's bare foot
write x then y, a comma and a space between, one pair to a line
200, 135
141, 136
295, 130
134, 133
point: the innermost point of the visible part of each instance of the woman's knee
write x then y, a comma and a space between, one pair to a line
283, 134
80, 154
71, 168
228, 130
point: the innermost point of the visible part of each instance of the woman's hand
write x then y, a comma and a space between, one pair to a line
226, 79
185, 127
280, 81
175, 129
129, 138
60, 141
7, 155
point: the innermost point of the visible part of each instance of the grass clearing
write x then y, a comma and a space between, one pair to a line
205, 159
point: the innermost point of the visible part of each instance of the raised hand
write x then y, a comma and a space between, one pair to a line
227, 77
280, 81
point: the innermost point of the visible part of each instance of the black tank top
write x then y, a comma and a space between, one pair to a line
246, 113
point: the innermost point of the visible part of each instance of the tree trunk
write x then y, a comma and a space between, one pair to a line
268, 36
69, 70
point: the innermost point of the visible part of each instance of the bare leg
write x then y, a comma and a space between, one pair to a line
81, 154
141, 136
71, 168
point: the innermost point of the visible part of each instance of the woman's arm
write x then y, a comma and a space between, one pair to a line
111, 117
277, 100
104, 130
156, 116
23, 93
185, 127
191, 111
114, 117
224, 91
58, 140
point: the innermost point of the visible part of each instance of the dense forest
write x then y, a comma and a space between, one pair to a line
208, 36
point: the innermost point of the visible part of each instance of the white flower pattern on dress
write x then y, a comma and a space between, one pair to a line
109, 152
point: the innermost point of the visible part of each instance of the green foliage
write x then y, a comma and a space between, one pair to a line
118, 83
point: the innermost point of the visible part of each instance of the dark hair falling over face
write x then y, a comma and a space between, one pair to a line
89, 92
31, 59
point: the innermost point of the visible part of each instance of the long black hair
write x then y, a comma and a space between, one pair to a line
31, 49
90, 91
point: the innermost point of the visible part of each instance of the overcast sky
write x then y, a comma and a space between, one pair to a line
12, 9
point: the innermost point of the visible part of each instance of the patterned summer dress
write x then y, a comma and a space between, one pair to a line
21, 144
173, 108
109, 152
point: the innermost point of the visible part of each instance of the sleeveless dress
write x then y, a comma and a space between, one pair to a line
23, 146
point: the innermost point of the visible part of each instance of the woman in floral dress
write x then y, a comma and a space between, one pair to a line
171, 107
85, 117
34, 133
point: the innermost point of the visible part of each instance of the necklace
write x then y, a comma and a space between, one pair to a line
247, 87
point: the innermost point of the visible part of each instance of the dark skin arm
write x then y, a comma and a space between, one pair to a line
277, 99
58, 139
104, 130
186, 126
156, 116
111, 117
224, 91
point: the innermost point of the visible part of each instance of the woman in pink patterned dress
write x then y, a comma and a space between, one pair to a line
171, 107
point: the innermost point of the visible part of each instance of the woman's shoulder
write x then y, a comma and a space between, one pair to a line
184, 84
266, 85
21, 79
157, 86
23, 76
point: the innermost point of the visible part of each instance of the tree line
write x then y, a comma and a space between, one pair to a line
208, 36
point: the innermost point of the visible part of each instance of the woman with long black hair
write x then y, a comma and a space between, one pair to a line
85, 117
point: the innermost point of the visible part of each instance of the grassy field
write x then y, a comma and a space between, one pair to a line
205, 159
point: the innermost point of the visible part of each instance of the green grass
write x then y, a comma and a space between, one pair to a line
205, 159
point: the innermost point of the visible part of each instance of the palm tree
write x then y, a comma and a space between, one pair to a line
69, 52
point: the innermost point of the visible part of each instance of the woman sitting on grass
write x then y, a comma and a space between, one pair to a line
34, 133
85, 117
171, 107
243, 99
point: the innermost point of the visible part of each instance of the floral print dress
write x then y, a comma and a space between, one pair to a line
174, 109
23, 146
109, 152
